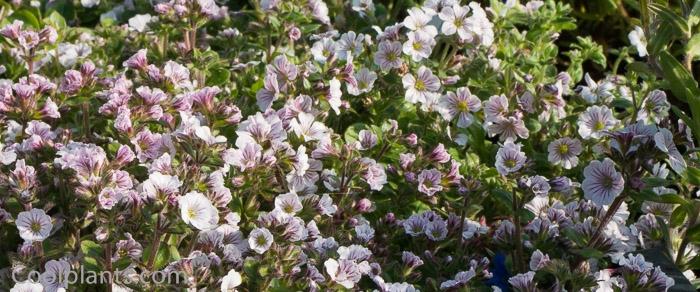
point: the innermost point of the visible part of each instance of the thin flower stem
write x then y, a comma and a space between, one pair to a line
693, 217
39, 246
155, 244
463, 214
86, 120
634, 103
518, 261
108, 264
193, 242
606, 218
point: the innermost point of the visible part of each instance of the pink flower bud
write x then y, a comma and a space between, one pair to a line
294, 33
412, 139
364, 205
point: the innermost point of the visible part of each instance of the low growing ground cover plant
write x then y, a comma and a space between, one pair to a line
311, 145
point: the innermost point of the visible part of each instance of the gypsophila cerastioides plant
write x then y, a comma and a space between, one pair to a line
309, 145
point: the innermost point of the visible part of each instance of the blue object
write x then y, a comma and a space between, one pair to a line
500, 272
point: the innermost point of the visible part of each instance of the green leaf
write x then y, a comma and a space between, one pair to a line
693, 233
56, 20
218, 76
678, 217
163, 257
644, 195
27, 16
688, 120
660, 39
694, 16
677, 21
641, 68
352, 132
533, 125
655, 182
93, 254
588, 253
672, 199
692, 48
683, 85
693, 175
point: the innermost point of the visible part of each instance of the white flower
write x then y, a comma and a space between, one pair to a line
204, 133
654, 107
158, 183
198, 211
231, 281
480, 29
34, 225
602, 183
349, 45
596, 91
305, 127
140, 22
388, 55
7, 157
69, 54
323, 49
664, 142
509, 158
418, 20
289, 204
55, 277
509, 129
496, 108
638, 40
27, 286
364, 232
363, 6
564, 151
420, 86
260, 240
343, 272
454, 20
460, 104
538, 205
334, 95
365, 82
326, 205
538, 260
419, 45
89, 3
595, 121
247, 157
606, 283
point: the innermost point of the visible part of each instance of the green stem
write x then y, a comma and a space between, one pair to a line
518, 261
693, 217
108, 264
155, 244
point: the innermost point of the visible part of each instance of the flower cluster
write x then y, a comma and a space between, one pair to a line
305, 145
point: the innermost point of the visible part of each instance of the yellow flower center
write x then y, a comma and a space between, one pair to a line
35, 227
260, 240
599, 126
463, 106
563, 149
420, 85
